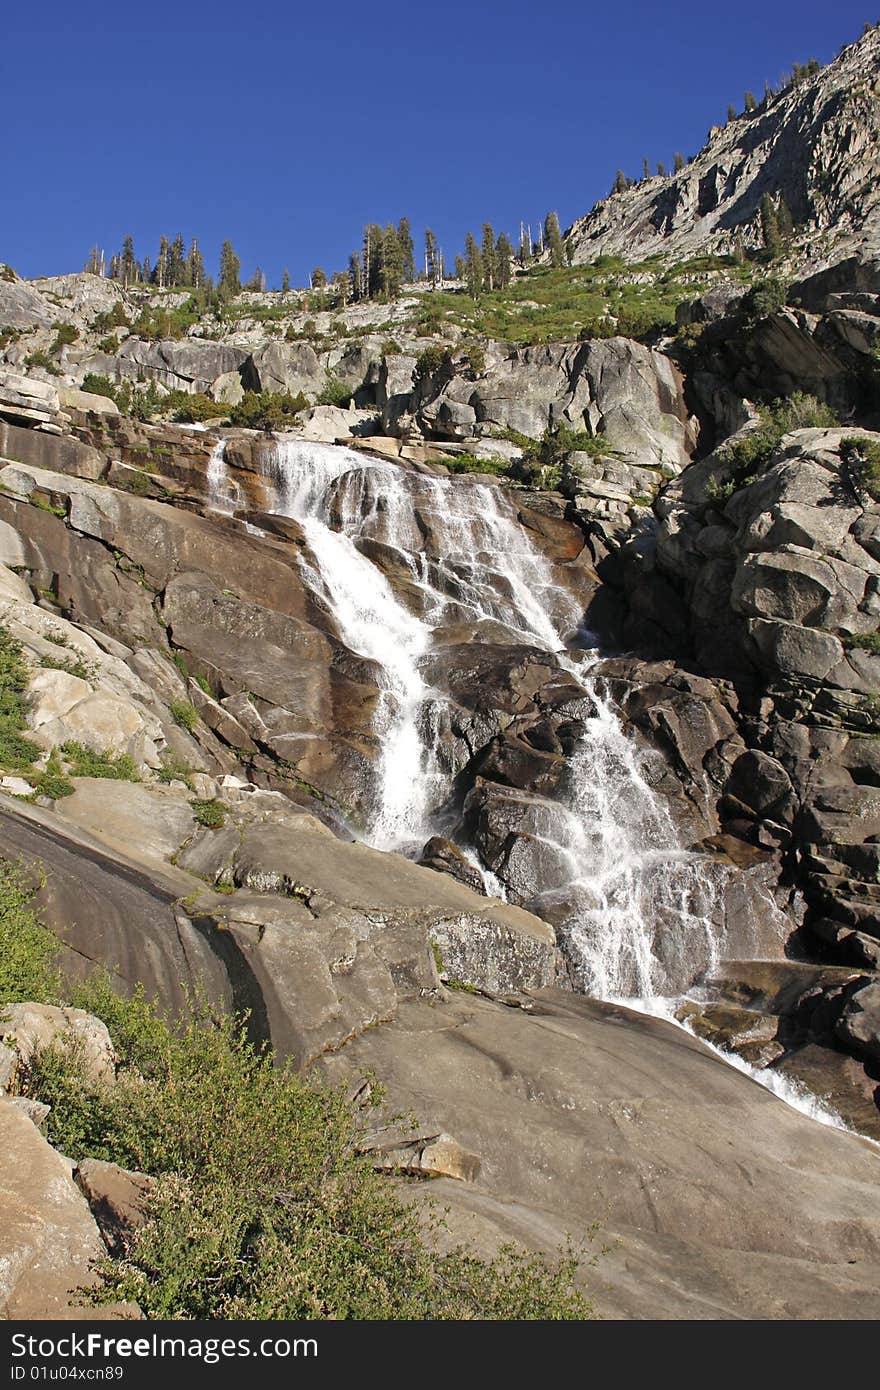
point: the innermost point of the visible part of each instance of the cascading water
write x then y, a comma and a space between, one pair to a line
222, 490
634, 906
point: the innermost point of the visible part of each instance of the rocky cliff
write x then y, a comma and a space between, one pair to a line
816, 145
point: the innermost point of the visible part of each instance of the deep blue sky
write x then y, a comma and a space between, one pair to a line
286, 126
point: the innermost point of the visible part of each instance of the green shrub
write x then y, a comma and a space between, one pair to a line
65, 335
265, 1206
210, 813
28, 952
266, 410
174, 769
265, 1209
192, 409
110, 346
99, 385
472, 463
860, 465
745, 457
43, 360
85, 762
74, 666
864, 641
436, 362
476, 358
391, 347
17, 753
53, 782
334, 392
763, 299
184, 713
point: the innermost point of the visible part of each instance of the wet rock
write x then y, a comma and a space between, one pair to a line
445, 857
859, 1025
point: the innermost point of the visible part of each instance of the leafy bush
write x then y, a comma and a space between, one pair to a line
434, 361
860, 466
53, 782
472, 463
192, 409
864, 641
266, 410
763, 299
65, 335
28, 952
334, 392
391, 347
99, 385
17, 752
74, 666
744, 458
174, 769
85, 762
43, 360
264, 1205
108, 345
184, 713
210, 813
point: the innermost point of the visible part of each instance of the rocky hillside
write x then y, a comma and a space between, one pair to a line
494, 681
816, 145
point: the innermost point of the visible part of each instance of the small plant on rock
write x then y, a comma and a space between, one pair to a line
210, 813
184, 713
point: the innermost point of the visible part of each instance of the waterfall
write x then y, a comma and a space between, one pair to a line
398, 556
223, 495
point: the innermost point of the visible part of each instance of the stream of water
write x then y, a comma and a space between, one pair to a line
397, 556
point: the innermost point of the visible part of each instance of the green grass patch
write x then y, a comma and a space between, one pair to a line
85, 762
184, 713
211, 813
17, 752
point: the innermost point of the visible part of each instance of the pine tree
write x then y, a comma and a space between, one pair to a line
473, 267
646, 168
341, 286
784, 220
285, 281
678, 162
553, 240
487, 256
195, 266
731, 113
146, 271
230, 266
161, 272
318, 279
407, 251
392, 263
177, 261
661, 169
127, 262
432, 256
93, 264
768, 93
503, 259
739, 251
619, 182
372, 260
770, 227
356, 276
749, 102
459, 268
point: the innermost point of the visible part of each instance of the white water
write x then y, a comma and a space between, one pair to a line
223, 494
636, 908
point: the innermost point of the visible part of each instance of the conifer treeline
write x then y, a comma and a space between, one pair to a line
384, 264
